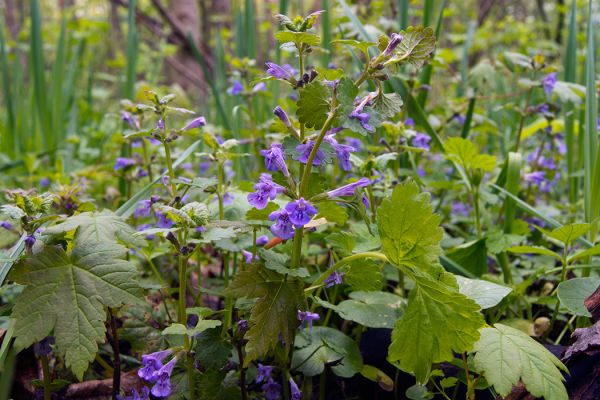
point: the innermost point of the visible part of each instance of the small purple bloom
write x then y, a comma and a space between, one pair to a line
283, 227
278, 72
334, 279
365, 201
275, 159
460, 208
44, 182
300, 211
342, 152
143, 209
409, 123
266, 190
44, 346
305, 149
279, 113
421, 140
295, 392
331, 66
228, 199
143, 395
195, 123
248, 257
271, 390
6, 225
349, 189
544, 108
130, 120
395, 40
354, 142
259, 87
29, 242
308, 317
123, 162
262, 240
536, 177
162, 221
363, 118
549, 82
236, 88
151, 364
162, 387
242, 325
458, 118
264, 373
160, 124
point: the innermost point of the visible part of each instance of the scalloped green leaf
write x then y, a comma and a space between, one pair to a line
417, 46
313, 104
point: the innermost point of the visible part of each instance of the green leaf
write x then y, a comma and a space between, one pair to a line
342, 242
322, 345
67, 294
362, 46
498, 241
211, 350
482, 76
278, 262
213, 234
214, 385
332, 212
438, 322
533, 250
313, 104
567, 233
201, 326
409, 230
98, 227
376, 375
261, 215
568, 92
370, 309
486, 294
465, 153
346, 92
200, 183
290, 144
592, 251
275, 312
506, 356
387, 105
364, 274
472, 256
298, 38
417, 46
572, 294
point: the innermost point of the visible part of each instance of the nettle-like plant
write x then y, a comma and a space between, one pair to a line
270, 318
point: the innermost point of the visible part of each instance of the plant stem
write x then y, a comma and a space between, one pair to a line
240, 353
114, 342
563, 277
46, 377
477, 212
522, 120
470, 392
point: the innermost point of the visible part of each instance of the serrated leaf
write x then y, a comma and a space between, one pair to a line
313, 104
323, 345
332, 212
342, 242
217, 233
567, 233
12, 212
364, 275
329, 154
371, 309
211, 350
67, 294
261, 215
506, 356
387, 104
417, 46
568, 92
572, 294
298, 38
486, 294
465, 153
201, 182
437, 322
409, 230
275, 312
98, 227
533, 250
278, 262
499, 241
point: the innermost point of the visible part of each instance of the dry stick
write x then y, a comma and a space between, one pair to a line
114, 342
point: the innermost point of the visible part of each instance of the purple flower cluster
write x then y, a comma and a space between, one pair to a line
349, 189
421, 141
295, 215
153, 371
294, 390
395, 39
549, 82
334, 279
123, 162
266, 190
195, 123
275, 159
270, 388
144, 394
285, 72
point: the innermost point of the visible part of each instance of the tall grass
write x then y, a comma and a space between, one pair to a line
570, 67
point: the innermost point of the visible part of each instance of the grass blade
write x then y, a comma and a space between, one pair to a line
425, 77
39, 81
9, 135
402, 14
571, 76
590, 139
326, 26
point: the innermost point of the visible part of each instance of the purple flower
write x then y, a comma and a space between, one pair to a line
279, 113
44, 182
460, 208
395, 40
248, 257
283, 227
295, 392
342, 152
365, 201
275, 159
331, 66
43, 347
242, 325
278, 72
259, 87
162, 387
123, 162
300, 211
421, 140
228, 199
151, 364
262, 240
272, 390
363, 118
458, 118
409, 123
334, 279
598, 124
6, 225
536, 177
308, 317
266, 190
162, 221
143, 208
305, 149
354, 142
160, 124
549, 82
143, 395
264, 373
236, 88
544, 108
195, 123
349, 189
29, 242
130, 120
